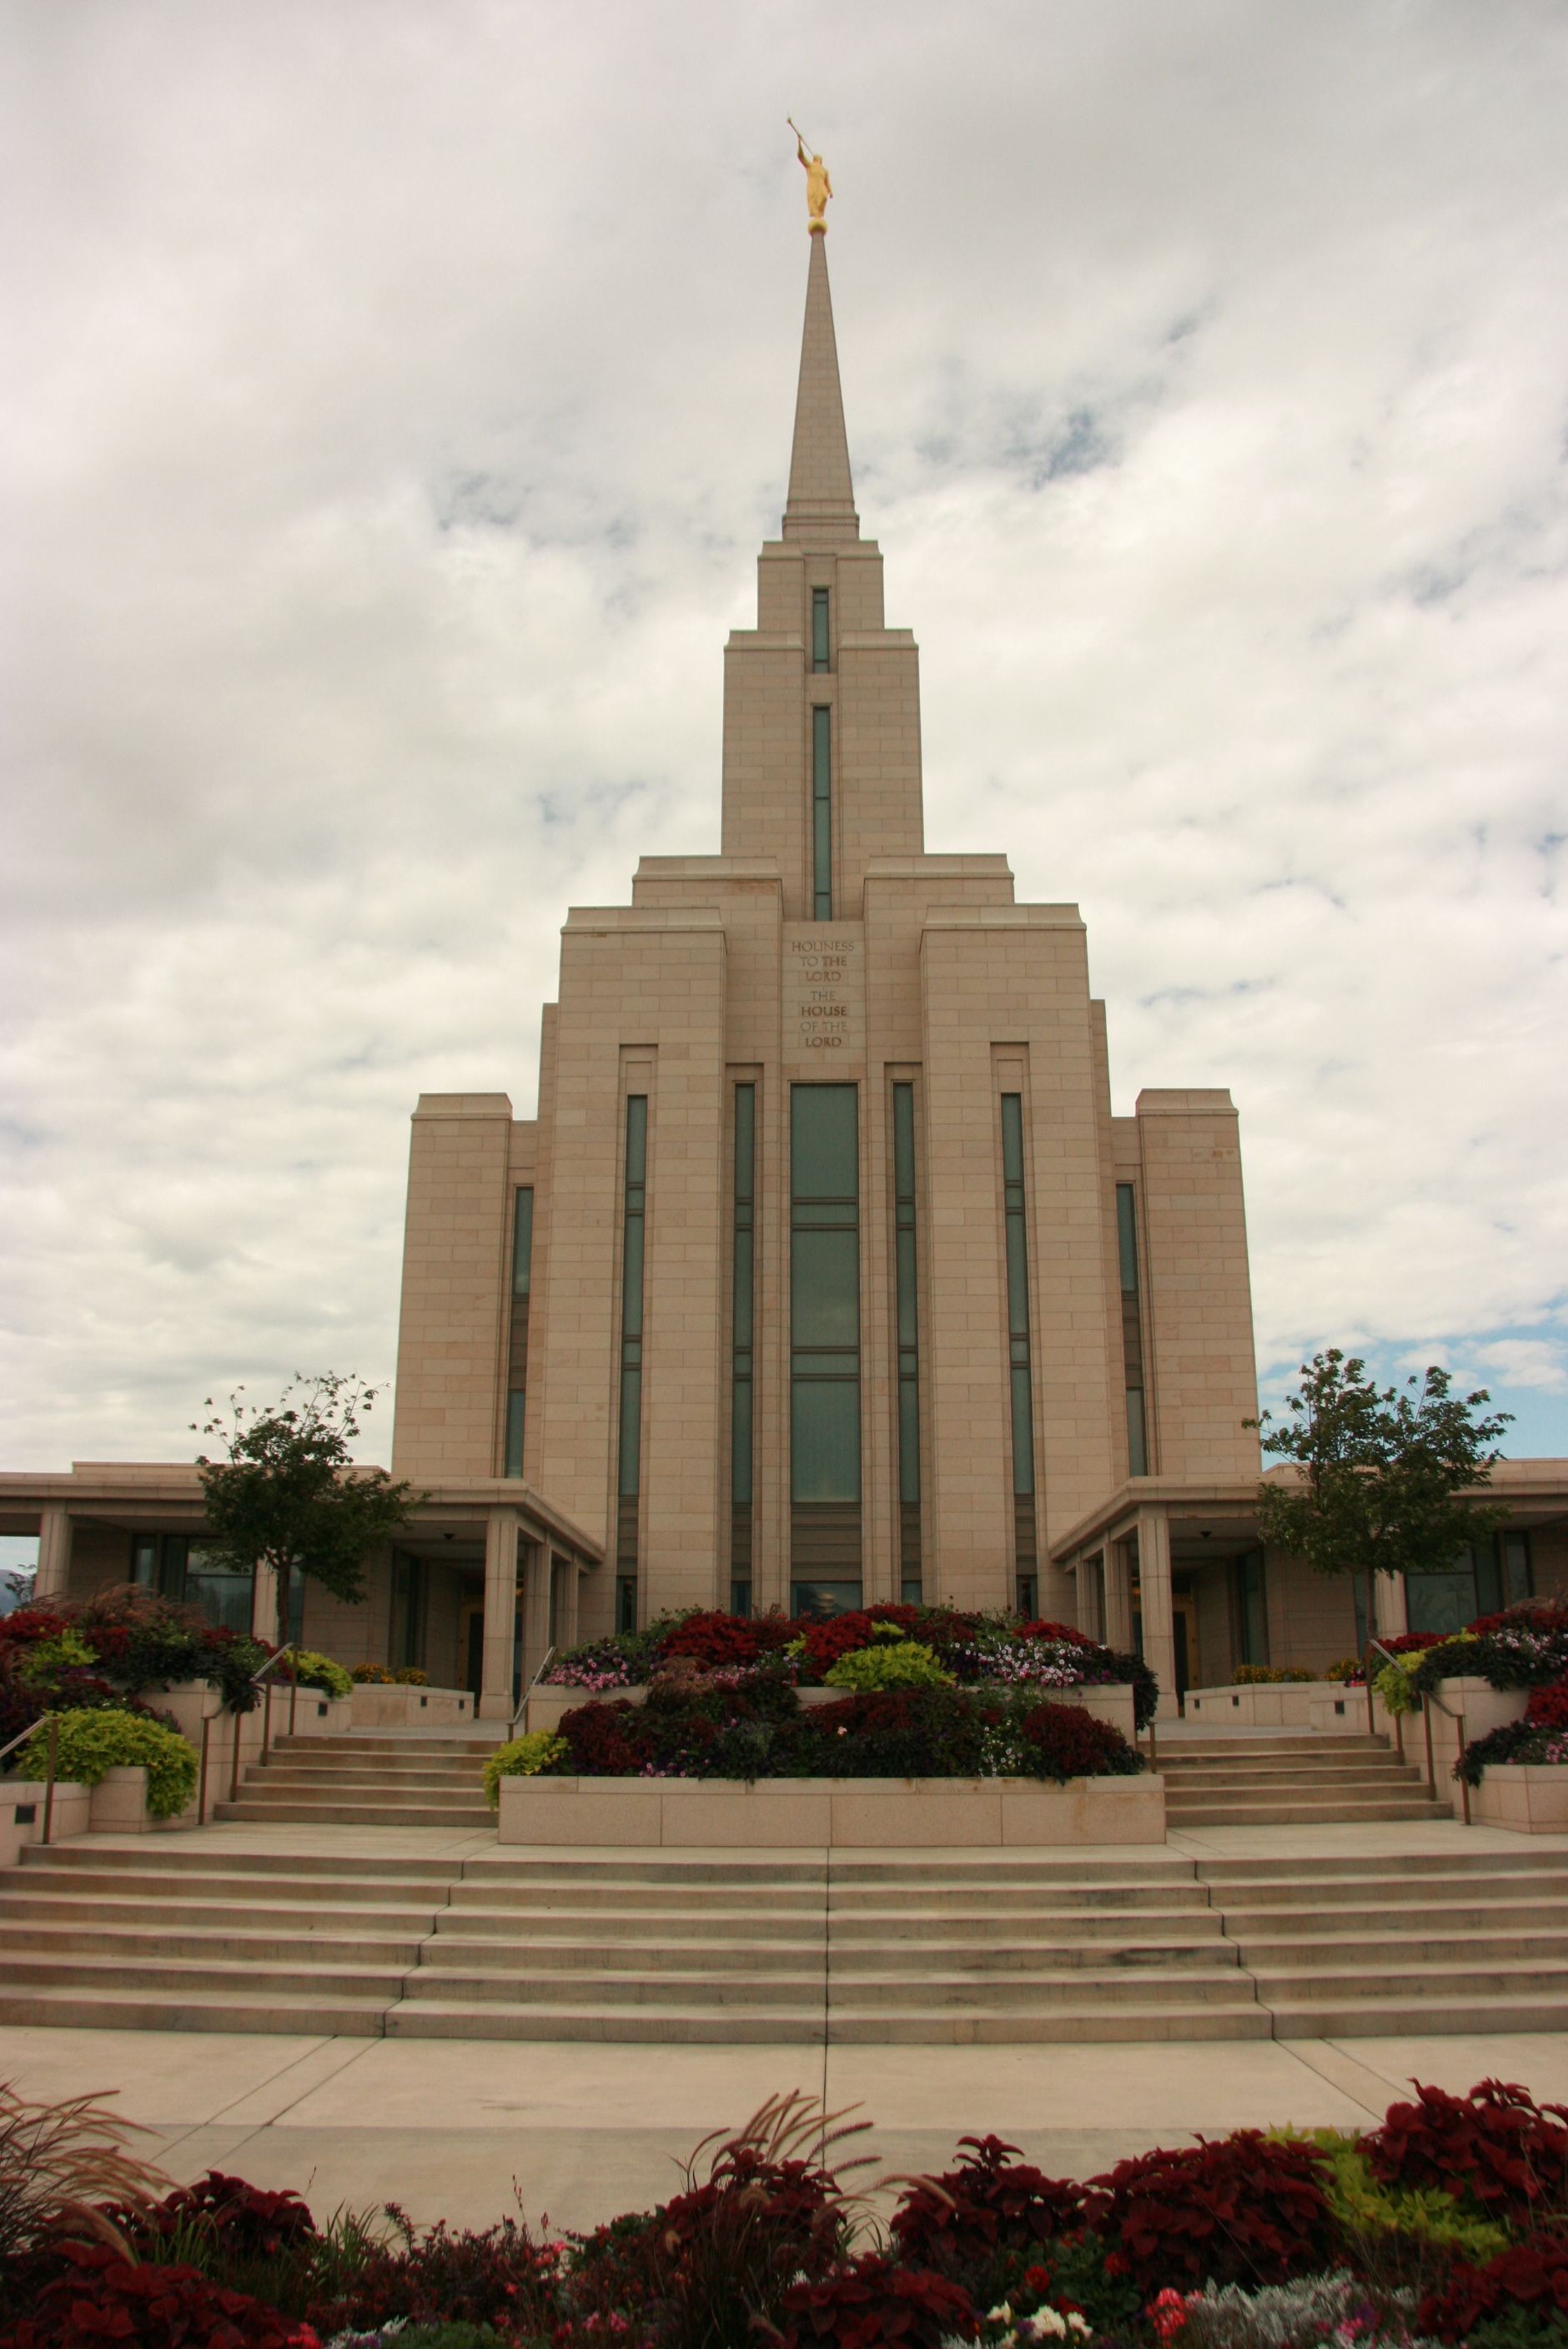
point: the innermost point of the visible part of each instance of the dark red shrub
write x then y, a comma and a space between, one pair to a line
1073, 1743
1042, 1630
772, 1632
1533, 2274
499, 2277
713, 1638
1497, 2145
989, 2203
245, 2222
1549, 1706
833, 1637
101, 2300
1249, 2209
870, 2300
907, 1618
600, 1740
1405, 1643
1530, 1615
24, 1625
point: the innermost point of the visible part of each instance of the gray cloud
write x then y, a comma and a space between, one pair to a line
406, 392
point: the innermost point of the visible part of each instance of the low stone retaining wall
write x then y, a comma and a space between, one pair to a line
1279, 1704
377, 1704
1112, 1702
1531, 1798
846, 1814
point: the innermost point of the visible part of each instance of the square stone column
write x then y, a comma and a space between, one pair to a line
1118, 1628
53, 1556
1390, 1606
501, 1609
566, 1597
1158, 1626
265, 1604
540, 1567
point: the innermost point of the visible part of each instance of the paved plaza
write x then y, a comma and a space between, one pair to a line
445, 2128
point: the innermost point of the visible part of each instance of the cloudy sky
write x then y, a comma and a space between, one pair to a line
399, 394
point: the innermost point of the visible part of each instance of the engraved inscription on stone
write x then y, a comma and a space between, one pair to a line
824, 993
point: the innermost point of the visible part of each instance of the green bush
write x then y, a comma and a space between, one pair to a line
1397, 2236
525, 1757
92, 1744
867, 1672
1261, 1675
320, 1672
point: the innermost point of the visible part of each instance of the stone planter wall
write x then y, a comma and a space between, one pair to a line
70, 1814
1529, 1797
379, 1706
1279, 1704
818, 1814
117, 1803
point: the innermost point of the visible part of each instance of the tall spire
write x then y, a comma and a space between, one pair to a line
821, 496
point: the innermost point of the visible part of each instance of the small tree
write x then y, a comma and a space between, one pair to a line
1386, 1475
288, 1495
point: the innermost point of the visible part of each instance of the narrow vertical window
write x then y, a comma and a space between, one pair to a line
819, 630
824, 1349
1018, 1368
517, 1355
1132, 1330
629, 1483
908, 1343
823, 813
1251, 1610
741, 1350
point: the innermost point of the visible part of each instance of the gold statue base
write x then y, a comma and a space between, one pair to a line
816, 228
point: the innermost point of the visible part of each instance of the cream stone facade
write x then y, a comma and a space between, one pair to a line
825, 1274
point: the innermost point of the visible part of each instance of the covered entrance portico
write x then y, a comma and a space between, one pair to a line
1178, 1573
475, 1589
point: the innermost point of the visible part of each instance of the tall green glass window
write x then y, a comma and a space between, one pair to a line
819, 630
824, 1346
741, 1385
630, 1478
823, 813
1018, 1367
1132, 1330
517, 1354
908, 1334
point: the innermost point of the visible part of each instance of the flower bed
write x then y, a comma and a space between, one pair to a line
864, 1648
1444, 2225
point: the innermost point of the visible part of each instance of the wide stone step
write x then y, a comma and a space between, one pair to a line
1487, 1979
309, 2014
1367, 1914
286, 1944
1284, 1814
1393, 1875
1401, 2014
779, 1953
333, 1872
169, 1907
1200, 1776
1401, 1950
867, 2026
208, 1975
295, 1812
712, 1987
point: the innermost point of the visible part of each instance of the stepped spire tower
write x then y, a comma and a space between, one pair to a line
821, 1278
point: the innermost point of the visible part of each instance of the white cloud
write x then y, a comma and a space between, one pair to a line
408, 393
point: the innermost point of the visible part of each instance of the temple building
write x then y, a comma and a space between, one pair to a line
825, 1273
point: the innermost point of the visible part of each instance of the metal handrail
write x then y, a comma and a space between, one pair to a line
519, 1711
1457, 1717
21, 1739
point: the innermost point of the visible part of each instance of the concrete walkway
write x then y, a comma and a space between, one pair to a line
446, 2127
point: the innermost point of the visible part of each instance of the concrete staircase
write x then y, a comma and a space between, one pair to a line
366, 1781
1274, 1780
911, 1947
907, 1947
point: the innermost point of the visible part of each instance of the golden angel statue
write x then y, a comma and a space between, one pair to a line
818, 187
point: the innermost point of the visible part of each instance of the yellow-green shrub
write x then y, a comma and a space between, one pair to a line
525, 1757
91, 1744
866, 1672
